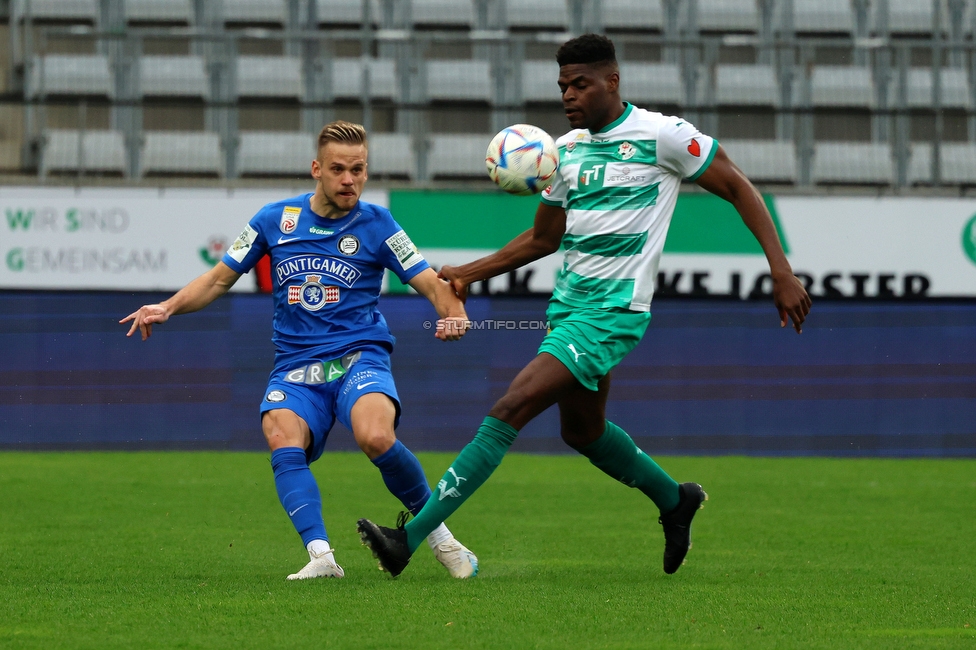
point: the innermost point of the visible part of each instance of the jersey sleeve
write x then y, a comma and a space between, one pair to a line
558, 190
249, 247
684, 150
398, 253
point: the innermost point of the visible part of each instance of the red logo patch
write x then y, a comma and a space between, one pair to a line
694, 148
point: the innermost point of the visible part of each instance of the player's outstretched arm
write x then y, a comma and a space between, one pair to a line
537, 242
726, 180
193, 297
453, 321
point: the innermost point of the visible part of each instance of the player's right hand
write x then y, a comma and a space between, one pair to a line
450, 273
144, 318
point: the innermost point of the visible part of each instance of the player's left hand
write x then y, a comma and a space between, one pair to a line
452, 328
792, 300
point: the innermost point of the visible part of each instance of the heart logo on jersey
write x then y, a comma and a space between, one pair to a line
694, 148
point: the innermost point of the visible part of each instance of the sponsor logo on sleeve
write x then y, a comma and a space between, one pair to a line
404, 249
694, 148
276, 396
348, 245
242, 245
289, 219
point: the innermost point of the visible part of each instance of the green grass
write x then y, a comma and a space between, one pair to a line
190, 550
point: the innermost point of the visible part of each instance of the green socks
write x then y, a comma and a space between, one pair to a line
617, 456
470, 469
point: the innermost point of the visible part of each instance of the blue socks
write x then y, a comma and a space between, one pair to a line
404, 477
298, 492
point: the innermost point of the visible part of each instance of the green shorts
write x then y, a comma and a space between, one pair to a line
591, 341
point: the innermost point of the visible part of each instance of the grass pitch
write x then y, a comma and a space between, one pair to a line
190, 550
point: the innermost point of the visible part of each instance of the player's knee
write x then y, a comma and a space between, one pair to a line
580, 434
375, 441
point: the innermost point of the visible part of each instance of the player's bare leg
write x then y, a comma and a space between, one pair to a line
288, 437
584, 427
373, 416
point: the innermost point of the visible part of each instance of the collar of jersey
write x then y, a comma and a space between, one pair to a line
628, 107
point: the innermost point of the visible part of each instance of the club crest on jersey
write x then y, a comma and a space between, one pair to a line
626, 150
289, 219
312, 294
348, 245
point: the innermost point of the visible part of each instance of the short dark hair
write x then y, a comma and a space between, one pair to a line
588, 48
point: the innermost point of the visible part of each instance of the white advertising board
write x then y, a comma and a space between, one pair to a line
123, 238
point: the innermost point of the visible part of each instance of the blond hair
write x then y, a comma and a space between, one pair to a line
342, 132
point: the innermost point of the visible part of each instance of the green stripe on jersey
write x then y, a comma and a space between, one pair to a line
597, 152
613, 198
575, 289
609, 245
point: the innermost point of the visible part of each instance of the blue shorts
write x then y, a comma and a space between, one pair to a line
319, 392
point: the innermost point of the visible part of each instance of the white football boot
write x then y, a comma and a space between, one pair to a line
458, 560
322, 565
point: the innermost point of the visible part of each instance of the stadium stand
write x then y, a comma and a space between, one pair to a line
171, 152
173, 76
71, 74
633, 15
853, 163
73, 151
791, 83
270, 76
457, 156
162, 12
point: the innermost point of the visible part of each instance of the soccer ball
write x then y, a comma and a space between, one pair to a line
522, 159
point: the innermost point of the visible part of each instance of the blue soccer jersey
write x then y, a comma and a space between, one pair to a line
326, 274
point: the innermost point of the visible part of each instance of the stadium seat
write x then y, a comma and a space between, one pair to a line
539, 81
62, 11
771, 161
159, 11
746, 85
841, 85
651, 83
537, 14
631, 15
908, 17
957, 163
275, 153
391, 154
71, 74
173, 76
819, 17
728, 16
347, 78
270, 76
255, 12
459, 81
443, 13
853, 163
345, 12
954, 90
102, 151
458, 155
182, 152
919, 164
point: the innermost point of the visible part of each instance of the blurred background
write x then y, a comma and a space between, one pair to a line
137, 137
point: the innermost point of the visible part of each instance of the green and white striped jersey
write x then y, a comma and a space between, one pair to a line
619, 187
